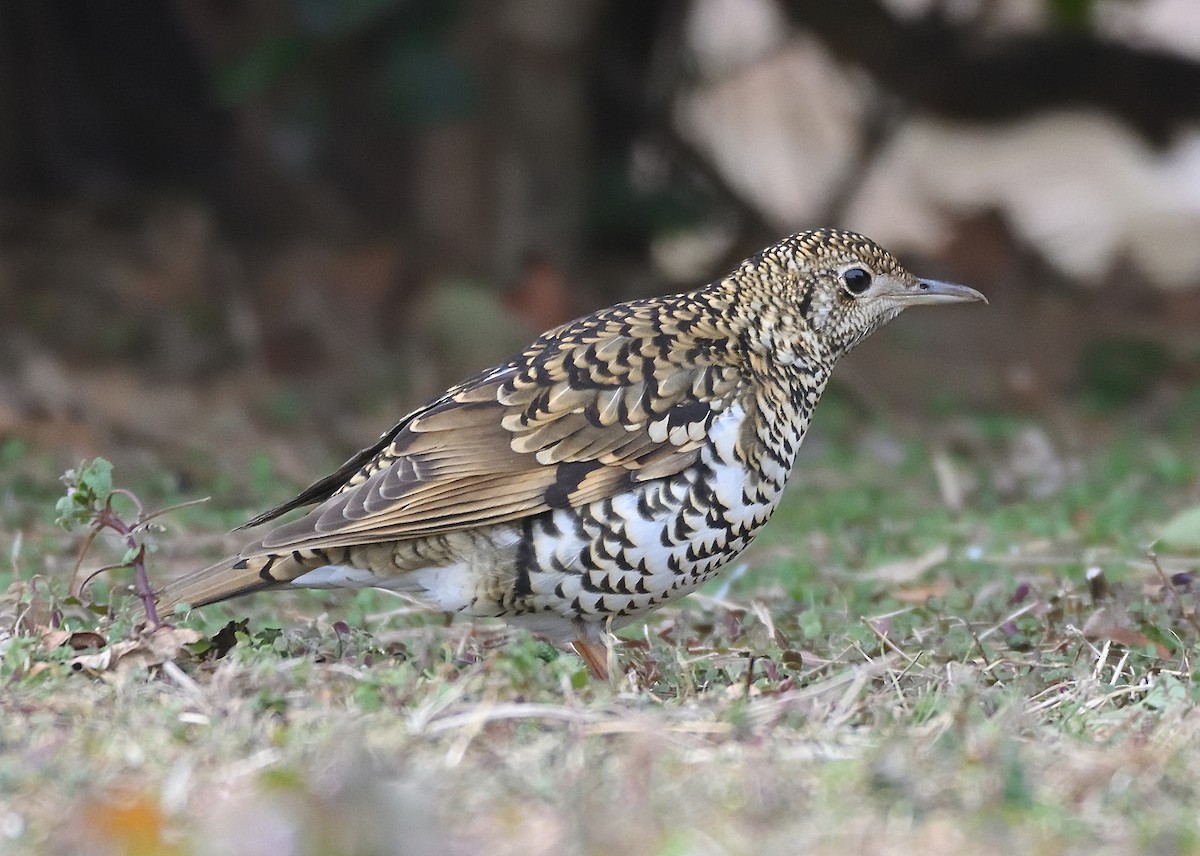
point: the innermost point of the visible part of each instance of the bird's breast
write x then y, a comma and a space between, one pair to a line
628, 553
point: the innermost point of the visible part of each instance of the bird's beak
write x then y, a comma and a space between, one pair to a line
936, 291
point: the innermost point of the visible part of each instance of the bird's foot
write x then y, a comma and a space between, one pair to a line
594, 655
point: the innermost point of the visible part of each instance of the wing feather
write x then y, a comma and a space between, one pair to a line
584, 414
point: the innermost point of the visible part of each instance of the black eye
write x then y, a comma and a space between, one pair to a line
857, 280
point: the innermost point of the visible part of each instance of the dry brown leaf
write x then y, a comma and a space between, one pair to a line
1112, 625
38, 667
78, 640
153, 649
38, 612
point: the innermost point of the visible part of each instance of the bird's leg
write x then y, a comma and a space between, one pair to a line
595, 656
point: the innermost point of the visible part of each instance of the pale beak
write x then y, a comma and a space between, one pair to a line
936, 291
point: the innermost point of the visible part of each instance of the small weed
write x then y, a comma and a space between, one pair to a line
88, 504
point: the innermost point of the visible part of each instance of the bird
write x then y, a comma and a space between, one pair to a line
616, 464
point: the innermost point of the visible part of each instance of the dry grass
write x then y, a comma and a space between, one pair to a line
887, 677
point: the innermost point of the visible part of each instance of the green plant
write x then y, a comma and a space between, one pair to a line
88, 503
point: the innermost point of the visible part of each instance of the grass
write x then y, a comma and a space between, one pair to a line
911, 659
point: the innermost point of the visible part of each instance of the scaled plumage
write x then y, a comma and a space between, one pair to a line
619, 461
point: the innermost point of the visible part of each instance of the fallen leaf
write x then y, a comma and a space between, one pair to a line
78, 640
224, 640
1107, 624
38, 612
152, 649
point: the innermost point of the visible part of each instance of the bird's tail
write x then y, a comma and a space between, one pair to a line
232, 577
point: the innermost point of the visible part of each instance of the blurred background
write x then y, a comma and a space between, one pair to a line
242, 238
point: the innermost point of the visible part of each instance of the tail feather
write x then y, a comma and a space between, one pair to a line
232, 577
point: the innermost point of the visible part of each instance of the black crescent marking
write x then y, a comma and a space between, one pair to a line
264, 572
567, 479
522, 587
685, 414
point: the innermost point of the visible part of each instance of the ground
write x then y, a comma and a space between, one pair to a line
950, 639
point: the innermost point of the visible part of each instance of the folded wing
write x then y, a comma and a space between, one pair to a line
586, 418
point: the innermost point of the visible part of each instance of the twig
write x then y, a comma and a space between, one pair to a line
110, 519
143, 519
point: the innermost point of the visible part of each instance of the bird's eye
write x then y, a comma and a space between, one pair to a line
857, 280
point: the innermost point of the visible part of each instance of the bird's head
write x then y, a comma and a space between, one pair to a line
827, 289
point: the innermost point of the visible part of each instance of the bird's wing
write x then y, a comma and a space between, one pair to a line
572, 423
